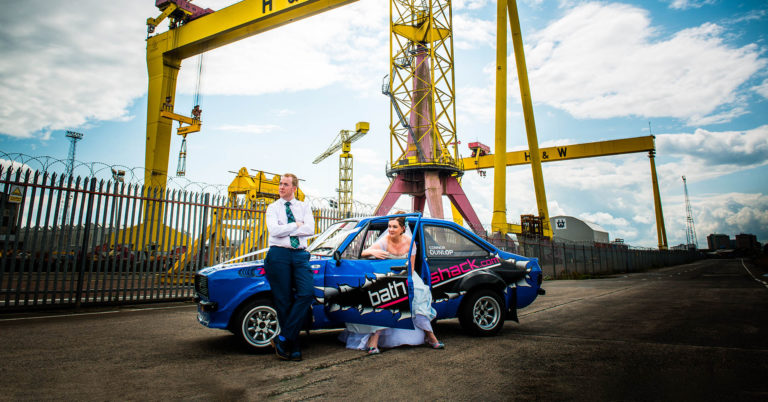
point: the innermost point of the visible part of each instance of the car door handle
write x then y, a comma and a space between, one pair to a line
398, 268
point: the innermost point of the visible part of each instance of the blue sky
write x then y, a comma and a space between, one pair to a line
696, 70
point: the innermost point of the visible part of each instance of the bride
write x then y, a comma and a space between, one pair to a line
395, 245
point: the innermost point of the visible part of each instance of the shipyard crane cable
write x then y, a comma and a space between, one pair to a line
197, 111
198, 84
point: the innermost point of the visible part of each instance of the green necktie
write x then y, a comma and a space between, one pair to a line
291, 219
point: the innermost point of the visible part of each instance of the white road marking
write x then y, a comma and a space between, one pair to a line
750, 274
93, 313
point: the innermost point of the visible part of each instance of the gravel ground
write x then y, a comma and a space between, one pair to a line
692, 332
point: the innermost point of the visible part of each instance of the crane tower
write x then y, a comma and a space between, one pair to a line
343, 142
424, 160
690, 230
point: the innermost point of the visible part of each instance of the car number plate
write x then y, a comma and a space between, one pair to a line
202, 316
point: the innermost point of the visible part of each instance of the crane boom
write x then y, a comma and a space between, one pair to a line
344, 136
343, 142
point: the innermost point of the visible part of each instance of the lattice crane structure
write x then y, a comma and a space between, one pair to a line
424, 160
343, 142
690, 229
74, 137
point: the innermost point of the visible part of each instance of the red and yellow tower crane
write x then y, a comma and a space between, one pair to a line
424, 160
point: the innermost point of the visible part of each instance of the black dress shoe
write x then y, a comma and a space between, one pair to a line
281, 348
296, 351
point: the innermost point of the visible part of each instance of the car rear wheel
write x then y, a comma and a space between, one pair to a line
257, 324
482, 313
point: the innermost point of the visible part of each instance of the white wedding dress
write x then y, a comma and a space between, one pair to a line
356, 335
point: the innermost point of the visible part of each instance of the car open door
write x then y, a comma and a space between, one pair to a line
369, 291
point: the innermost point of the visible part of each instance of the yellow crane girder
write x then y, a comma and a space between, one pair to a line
579, 151
166, 50
566, 152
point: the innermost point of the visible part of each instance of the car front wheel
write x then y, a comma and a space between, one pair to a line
482, 313
257, 324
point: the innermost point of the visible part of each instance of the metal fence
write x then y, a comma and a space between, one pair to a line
71, 241
567, 260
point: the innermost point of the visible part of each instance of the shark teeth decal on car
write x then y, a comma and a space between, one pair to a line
451, 296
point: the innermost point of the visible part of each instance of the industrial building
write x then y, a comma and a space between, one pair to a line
747, 243
571, 229
718, 242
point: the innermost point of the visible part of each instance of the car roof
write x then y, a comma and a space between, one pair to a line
408, 217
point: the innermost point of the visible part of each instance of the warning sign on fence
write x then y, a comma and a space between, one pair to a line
16, 194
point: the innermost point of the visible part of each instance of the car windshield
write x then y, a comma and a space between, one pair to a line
331, 238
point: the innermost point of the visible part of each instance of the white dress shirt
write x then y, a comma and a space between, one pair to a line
280, 230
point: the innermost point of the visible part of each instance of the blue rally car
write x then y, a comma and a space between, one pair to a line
470, 279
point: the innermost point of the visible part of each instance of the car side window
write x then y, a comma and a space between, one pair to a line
361, 242
446, 242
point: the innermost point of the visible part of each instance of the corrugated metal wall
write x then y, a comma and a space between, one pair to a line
567, 260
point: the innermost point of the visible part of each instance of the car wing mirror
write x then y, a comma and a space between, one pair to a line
337, 257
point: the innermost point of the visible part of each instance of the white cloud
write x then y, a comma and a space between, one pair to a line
345, 46
644, 219
470, 32
15, 166
62, 68
762, 89
597, 174
475, 104
283, 112
370, 157
717, 118
705, 154
616, 193
604, 219
604, 60
749, 16
468, 4
686, 4
730, 213
368, 188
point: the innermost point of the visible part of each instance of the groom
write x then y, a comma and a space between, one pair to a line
290, 223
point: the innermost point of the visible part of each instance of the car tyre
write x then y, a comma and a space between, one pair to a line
482, 313
257, 324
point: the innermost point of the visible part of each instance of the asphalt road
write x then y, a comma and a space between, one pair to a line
691, 332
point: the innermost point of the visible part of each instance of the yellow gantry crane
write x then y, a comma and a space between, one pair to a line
194, 30
483, 159
508, 8
343, 142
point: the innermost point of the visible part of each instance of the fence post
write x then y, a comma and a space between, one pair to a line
554, 260
81, 262
203, 225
